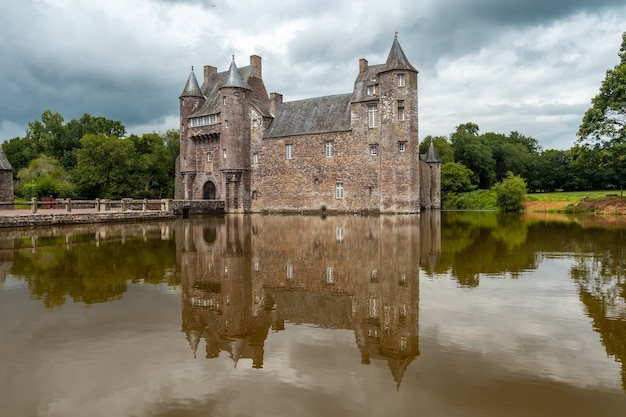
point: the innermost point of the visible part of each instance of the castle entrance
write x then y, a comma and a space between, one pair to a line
208, 191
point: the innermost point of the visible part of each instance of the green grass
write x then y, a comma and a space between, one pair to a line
569, 196
473, 200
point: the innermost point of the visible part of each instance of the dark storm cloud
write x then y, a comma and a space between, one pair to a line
486, 61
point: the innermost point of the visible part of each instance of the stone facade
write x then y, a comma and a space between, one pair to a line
355, 152
6, 182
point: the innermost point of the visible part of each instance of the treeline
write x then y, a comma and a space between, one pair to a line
597, 161
91, 157
472, 161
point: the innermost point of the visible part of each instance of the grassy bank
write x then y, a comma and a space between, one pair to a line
599, 201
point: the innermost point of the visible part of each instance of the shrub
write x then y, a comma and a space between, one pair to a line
510, 193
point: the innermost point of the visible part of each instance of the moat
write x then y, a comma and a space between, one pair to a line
437, 314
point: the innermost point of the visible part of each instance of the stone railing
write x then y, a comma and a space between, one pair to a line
100, 205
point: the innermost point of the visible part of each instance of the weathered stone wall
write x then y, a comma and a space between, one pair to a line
6, 186
82, 218
308, 181
180, 207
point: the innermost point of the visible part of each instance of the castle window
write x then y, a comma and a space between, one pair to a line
339, 234
224, 152
374, 275
224, 100
330, 149
373, 150
225, 123
209, 157
289, 151
254, 194
255, 122
371, 90
290, 274
255, 158
372, 116
330, 275
400, 109
339, 190
401, 80
401, 146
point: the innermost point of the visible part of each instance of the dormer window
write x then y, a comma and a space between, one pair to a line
371, 90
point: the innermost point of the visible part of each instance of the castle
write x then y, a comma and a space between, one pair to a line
355, 152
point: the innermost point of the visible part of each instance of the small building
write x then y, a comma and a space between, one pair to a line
7, 198
353, 152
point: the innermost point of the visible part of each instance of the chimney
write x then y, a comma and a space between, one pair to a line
255, 63
276, 100
362, 65
209, 71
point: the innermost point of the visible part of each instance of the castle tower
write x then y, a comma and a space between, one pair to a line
399, 156
384, 108
190, 100
235, 97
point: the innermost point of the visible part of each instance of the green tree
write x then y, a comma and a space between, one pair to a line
19, 152
455, 178
510, 193
552, 171
44, 177
605, 121
156, 154
471, 150
106, 167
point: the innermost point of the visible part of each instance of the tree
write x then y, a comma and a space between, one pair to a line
552, 171
156, 154
44, 177
455, 178
471, 150
106, 167
19, 152
510, 193
605, 121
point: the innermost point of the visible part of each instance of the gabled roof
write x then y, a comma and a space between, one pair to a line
192, 89
310, 116
5, 165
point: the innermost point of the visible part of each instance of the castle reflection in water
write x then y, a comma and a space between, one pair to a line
244, 275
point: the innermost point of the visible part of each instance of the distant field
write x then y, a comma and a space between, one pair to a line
569, 196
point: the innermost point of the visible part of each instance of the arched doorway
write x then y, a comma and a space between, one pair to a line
208, 191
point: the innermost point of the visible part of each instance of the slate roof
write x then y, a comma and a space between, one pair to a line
213, 103
192, 89
396, 60
5, 165
310, 116
431, 155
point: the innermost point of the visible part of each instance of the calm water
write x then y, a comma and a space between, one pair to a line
444, 314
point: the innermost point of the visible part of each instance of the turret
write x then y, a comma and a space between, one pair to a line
190, 100
235, 98
397, 108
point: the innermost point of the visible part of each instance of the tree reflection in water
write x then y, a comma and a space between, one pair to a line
244, 276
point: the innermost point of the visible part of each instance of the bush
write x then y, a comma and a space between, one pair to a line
510, 193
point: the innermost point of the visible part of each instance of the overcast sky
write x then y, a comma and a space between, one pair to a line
530, 66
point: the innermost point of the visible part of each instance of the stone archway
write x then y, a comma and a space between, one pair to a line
208, 191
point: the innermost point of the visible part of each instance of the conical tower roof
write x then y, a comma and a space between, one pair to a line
192, 89
396, 59
234, 78
432, 155
5, 165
